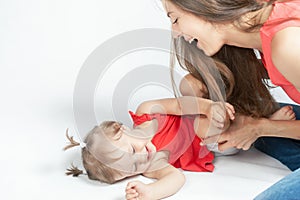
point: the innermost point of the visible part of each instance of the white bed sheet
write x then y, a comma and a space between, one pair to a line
237, 177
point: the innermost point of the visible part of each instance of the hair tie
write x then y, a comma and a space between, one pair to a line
82, 144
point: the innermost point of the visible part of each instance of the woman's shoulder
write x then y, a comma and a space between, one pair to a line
284, 14
285, 9
285, 49
286, 43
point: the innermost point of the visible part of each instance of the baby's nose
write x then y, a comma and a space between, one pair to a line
141, 147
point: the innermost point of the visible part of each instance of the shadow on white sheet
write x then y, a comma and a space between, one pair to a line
238, 177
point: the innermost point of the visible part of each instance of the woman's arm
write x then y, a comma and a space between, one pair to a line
169, 181
284, 128
245, 130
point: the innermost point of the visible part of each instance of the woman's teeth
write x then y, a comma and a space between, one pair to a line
191, 40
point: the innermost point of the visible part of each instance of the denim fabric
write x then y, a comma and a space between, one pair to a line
285, 150
287, 188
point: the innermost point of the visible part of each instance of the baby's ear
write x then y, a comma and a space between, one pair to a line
116, 126
117, 134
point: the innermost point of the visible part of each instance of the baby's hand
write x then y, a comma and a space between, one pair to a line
230, 110
137, 190
218, 114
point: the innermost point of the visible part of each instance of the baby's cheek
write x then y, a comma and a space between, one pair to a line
151, 147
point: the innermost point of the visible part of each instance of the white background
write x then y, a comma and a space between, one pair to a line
43, 44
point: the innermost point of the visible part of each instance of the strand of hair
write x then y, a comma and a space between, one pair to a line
74, 171
73, 143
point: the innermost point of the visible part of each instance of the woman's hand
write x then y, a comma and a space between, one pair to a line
241, 134
218, 113
136, 190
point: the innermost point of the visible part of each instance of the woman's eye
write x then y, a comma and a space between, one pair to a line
175, 21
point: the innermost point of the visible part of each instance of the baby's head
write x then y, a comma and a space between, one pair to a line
111, 153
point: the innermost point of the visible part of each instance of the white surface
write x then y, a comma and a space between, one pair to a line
43, 45
242, 176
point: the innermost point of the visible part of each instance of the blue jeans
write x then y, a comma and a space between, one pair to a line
287, 188
286, 151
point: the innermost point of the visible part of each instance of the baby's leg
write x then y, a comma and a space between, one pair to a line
284, 113
190, 86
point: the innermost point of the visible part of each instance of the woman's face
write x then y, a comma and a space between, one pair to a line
185, 24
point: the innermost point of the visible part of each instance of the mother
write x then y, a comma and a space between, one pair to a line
228, 31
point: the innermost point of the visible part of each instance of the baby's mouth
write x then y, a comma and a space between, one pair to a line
149, 153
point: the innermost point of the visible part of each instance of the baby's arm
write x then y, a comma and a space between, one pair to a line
189, 105
193, 101
191, 86
185, 105
169, 181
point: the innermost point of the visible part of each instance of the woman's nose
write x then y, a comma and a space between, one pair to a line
176, 33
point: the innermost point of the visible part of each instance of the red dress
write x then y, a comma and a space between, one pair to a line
284, 14
176, 134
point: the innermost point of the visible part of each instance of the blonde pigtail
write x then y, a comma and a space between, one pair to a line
74, 171
73, 143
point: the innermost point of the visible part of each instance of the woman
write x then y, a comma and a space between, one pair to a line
228, 31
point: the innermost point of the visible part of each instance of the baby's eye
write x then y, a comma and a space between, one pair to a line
135, 167
133, 150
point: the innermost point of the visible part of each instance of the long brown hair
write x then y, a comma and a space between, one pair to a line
224, 11
241, 75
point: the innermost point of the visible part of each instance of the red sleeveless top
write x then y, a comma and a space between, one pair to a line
284, 14
176, 134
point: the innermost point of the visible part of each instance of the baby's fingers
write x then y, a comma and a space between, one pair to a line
131, 184
132, 196
230, 114
230, 110
230, 107
130, 191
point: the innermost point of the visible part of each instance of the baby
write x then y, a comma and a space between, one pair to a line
113, 151
165, 136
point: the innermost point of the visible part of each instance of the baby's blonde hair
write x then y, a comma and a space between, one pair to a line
95, 169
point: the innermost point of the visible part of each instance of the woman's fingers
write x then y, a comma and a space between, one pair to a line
211, 139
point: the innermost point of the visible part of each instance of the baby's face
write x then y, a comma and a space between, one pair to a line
130, 153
